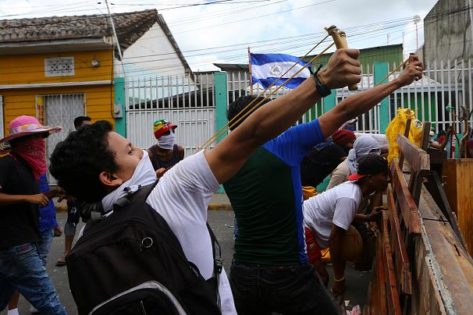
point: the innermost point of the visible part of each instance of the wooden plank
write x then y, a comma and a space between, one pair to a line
454, 275
417, 158
404, 200
425, 135
406, 134
400, 256
459, 190
381, 306
393, 301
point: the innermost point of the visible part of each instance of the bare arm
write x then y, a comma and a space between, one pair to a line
336, 254
7, 199
278, 115
360, 103
338, 262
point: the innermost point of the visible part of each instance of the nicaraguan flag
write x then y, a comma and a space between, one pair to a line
267, 69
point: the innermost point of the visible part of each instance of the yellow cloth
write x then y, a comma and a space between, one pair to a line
397, 126
308, 191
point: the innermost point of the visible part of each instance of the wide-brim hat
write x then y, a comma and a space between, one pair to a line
162, 126
23, 126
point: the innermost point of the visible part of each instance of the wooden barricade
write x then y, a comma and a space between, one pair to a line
391, 288
421, 265
458, 175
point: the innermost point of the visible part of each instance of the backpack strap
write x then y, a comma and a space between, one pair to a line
140, 192
218, 264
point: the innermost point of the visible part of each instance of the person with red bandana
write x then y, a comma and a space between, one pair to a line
21, 267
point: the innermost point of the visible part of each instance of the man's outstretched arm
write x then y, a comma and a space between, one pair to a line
360, 103
276, 116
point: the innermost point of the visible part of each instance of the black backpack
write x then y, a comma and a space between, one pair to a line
131, 263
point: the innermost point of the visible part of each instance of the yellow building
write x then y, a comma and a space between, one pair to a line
58, 68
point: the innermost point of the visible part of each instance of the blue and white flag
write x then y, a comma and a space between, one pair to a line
267, 69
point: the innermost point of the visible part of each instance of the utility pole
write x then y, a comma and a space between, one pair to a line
471, 21
116, 37
416, 21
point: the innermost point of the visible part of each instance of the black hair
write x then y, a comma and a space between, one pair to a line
372, 164
77, 161
79, 120
239, 105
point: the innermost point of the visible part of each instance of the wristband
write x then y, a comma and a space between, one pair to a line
321, 88
339, 280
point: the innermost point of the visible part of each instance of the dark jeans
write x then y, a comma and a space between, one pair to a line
22, 269
260, 290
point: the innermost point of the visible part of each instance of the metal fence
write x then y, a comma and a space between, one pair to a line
186, 101
189, 101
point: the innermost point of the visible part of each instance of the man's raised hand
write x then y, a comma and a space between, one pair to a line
412, 71
343, 69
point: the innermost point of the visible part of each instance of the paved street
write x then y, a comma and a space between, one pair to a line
219, 220
222, 224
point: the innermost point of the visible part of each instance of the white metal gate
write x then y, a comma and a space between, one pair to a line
187, 102
59, 110
437, 97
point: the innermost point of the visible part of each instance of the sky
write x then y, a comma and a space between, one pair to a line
221, 31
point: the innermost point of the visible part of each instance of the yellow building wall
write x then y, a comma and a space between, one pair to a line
30, 69
27, 69
98, 101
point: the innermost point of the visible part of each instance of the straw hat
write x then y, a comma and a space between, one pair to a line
23, 126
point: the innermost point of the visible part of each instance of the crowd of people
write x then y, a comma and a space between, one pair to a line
263, 164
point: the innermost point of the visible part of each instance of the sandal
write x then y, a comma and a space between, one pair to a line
60, 262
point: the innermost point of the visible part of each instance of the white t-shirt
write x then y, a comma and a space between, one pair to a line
181, 198
334, 206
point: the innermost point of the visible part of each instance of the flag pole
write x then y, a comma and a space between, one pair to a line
249, 69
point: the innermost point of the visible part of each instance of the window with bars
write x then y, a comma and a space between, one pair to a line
60, 66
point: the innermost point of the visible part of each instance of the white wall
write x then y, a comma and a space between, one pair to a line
448, 32
152, 54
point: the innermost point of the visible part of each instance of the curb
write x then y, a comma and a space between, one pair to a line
220, 206
213, 206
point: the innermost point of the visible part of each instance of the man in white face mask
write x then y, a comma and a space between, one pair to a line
165, 154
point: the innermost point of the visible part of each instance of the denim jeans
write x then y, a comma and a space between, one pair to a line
44, 245
261, 290
21, 268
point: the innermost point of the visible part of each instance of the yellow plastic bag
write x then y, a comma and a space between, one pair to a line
397, 126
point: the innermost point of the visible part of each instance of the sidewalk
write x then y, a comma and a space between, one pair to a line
219, 201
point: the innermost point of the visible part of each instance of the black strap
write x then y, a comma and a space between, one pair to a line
218, 263
321, 88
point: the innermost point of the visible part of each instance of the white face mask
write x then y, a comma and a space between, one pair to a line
143, 175
166, 142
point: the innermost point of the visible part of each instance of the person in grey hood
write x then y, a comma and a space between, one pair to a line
363, 145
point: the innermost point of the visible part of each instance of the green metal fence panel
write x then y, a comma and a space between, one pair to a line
381, 70
120, 106
220, 81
